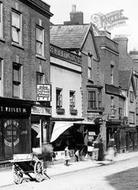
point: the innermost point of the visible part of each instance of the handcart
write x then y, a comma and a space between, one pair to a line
30, 165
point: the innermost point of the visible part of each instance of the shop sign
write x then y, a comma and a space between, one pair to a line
8, 109
36, 110
11, 135
44, 92
108, 21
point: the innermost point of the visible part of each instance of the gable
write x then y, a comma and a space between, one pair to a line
90, 46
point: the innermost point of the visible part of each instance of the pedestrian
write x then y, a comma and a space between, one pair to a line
77, 155
110, 151
67, 156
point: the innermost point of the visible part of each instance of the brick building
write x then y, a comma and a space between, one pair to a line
79, 39
24, 63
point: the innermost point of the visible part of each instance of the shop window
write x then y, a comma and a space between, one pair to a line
1, 20
17, 72
91, 100
58, 98
39, 41
16, 27
1, 77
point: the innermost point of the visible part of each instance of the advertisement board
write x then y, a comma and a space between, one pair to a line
44, 92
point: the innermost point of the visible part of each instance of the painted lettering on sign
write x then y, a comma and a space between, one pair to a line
44, 92
108, 21
8, 109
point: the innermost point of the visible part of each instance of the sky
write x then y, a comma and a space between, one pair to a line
62, 8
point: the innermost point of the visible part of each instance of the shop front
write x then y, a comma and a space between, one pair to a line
40, 126
75, 135
15, 127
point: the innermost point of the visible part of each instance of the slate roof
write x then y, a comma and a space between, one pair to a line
124, 79
69, 36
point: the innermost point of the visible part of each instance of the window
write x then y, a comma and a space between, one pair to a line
16, 80
1, 77
112, 77
58, 98
1, 20
72, 99
89, 67
131, 96
16, 27
131, 117
120, 112
99, 98
40, 78
91, 100
39, 41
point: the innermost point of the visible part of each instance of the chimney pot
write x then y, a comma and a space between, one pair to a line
73, 8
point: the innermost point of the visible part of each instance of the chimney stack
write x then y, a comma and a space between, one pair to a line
122, 41
76, 17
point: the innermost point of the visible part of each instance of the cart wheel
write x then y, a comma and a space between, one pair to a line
38, 170
17, 174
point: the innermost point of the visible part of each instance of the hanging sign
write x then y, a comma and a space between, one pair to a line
44, 92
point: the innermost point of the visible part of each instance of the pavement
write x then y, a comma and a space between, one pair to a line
6, 176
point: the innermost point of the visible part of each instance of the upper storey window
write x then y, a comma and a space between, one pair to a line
16, 27
39, 41
1, 20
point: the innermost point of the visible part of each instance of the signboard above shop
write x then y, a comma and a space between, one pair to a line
44, 92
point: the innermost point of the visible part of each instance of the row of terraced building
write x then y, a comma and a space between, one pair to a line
65, 84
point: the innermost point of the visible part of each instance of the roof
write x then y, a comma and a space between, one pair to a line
124, 79
69, 36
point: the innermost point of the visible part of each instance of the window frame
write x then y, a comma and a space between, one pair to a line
39, 41
131, 96
93, 100
1, 19
59, 98
40, 74
72, 99
131, 117
1, 76
17, 29
17, 83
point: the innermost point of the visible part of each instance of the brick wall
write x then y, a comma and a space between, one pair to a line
26, 53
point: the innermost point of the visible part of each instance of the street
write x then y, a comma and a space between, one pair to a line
117, 176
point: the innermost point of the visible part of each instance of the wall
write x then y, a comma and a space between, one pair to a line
66, 79
26, 52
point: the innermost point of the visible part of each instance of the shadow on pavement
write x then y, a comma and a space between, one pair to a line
126, 180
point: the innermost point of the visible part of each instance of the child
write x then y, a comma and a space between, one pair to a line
67, 156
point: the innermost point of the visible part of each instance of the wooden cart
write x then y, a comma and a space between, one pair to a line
30, 165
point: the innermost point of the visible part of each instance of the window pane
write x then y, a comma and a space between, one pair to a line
15, 35
39, 34
40, 78
16, 75
58, 98
0, 69
72, 99
16, 90
91, 100
15, 20
39, 48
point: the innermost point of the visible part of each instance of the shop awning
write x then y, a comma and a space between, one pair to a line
59, 128
36, 128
